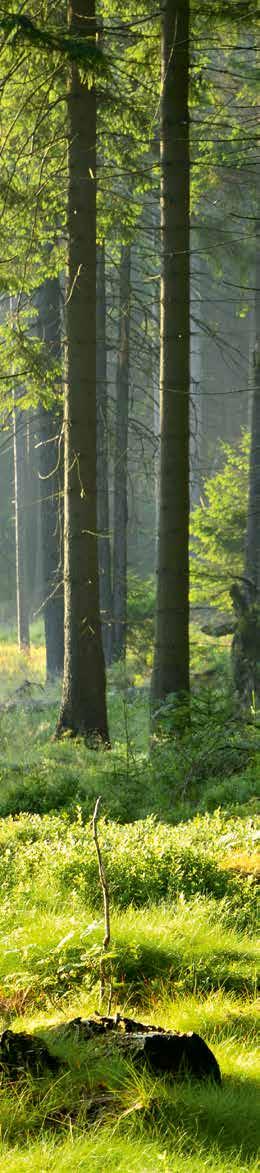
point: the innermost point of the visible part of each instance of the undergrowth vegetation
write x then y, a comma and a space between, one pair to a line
214, 763
178, 833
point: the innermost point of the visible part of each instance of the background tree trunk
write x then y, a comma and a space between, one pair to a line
21, 457
171, 658
245, 652
83, 708
104, 550
121, 451
50, 468
253, 517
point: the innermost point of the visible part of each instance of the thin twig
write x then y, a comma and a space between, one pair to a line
105, 892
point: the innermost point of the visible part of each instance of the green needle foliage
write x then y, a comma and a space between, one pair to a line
36, 53
21, 29
218, 527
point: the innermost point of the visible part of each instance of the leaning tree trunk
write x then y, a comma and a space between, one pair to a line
50, 456
121, 451
171, 658
20, 509
104, 551
83, 707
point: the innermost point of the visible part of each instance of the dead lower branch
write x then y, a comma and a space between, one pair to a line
105, 893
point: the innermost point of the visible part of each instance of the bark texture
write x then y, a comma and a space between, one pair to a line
253, 517
245, 654
21, 472
50, 469
83, 708
121, 451
104, 550
171, 659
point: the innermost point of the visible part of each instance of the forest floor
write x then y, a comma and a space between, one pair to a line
178, 832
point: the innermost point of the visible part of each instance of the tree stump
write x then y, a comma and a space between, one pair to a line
164, 1052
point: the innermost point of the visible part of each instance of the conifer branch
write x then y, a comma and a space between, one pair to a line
82, 50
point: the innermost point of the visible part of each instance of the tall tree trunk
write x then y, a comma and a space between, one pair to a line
171, 658
196, 390
83, 707
253, 517
104, 551
50, 455
245, 652
120, 476
20, 506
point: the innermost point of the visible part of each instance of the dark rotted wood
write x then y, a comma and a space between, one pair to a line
180, 1054
165, 1052
23, 1052
168, 1052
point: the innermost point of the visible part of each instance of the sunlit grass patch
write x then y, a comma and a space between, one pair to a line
183, 949
46, 953
17, 666
243, 863
104, 1152
136, 1117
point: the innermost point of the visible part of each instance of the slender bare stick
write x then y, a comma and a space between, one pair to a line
105, 892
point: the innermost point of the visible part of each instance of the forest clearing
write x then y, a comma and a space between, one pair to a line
129, 586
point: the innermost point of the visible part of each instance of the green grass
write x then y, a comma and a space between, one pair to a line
188, 949
139, 1117
137, 1154
182, 964
179, 839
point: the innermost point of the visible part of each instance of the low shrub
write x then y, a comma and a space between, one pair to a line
145, 862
